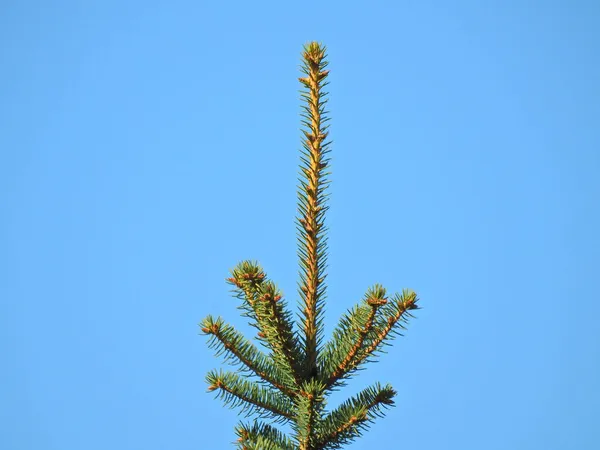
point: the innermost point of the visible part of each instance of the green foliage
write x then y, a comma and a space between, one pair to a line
291, 383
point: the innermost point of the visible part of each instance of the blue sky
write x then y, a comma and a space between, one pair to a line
147, 147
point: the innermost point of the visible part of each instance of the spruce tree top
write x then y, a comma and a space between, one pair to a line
290, 378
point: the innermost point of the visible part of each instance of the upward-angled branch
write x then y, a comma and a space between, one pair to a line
394, 315
350, 335
264, 304
347, 421
243, 352
311, 205
364, 333
252, 397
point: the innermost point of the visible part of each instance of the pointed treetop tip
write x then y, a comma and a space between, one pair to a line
314, 45
314, 51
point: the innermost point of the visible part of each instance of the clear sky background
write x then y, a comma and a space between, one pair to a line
147, 147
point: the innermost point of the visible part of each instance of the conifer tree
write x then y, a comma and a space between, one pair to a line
289, 380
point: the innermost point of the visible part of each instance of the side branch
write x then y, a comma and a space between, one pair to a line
362, 332
346, 422
397, 312
227, 339
250, 396
375, 300
282, 336
263, 303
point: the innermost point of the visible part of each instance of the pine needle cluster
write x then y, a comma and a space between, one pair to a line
289, 378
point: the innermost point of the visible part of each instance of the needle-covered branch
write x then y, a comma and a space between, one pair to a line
247, 278
261, 436
252, 397
394, 315
240, 351
264, 304
346, 423
312, 244
348, 337
362, 332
